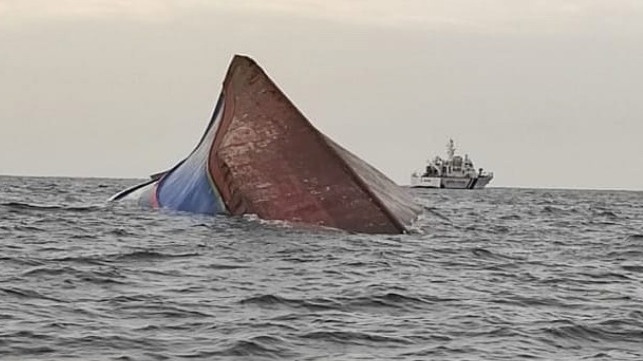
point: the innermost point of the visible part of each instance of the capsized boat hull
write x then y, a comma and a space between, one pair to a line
260, 155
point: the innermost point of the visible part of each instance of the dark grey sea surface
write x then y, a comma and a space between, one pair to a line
495, 274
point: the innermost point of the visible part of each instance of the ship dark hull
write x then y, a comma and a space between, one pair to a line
260, 155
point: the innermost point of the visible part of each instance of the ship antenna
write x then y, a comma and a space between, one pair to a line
450, 149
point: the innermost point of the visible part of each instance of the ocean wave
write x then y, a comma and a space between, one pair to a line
633, 268
391, 300
485, 254
352, 337
446, 352
153, 310
634, 238
256, 347
596, 333
97, 260
27, 294
510, 217
49, 207
274, 300
21, 351
148, 255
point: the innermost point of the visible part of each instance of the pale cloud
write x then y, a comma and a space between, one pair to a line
462, 15
27, 11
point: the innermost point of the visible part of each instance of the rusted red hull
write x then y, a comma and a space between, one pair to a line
267, 159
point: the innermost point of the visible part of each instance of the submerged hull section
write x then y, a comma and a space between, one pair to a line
260, 155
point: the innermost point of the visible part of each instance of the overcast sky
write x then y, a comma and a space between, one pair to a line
544, 93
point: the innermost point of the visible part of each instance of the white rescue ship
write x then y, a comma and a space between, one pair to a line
455, 172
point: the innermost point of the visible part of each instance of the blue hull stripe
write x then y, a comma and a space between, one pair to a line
188, 187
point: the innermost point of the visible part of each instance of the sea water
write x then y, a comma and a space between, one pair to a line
493, 274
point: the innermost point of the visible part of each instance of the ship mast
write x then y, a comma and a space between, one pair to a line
450, 149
